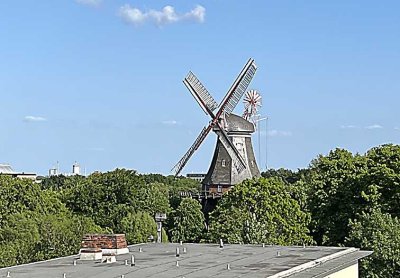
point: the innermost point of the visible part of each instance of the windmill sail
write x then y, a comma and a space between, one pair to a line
182, 162
200, 93
227, 105
238, 87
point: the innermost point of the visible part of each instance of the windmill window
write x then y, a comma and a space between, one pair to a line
219, 188
223, 163
252, 163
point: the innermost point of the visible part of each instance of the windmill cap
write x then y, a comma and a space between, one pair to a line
238, 124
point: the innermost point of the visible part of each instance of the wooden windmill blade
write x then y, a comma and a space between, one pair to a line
200, 93
182, 162
238, 88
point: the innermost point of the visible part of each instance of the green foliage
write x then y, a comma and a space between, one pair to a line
31, 236
164, 236
287, 176
188, 222
341, 186
105, 197
181, 184
379, 232
61, 234
384, 176
340, 198
153, 198
138, 227
337, 193
19, 195
61, 182
18, 239
110, 197
35, 224
42, 221
259, 211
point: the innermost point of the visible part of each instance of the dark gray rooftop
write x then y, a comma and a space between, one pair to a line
201, 260
236, 123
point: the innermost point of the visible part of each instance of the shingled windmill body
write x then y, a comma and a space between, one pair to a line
233, 159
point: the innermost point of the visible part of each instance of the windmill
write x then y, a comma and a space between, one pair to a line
233, 159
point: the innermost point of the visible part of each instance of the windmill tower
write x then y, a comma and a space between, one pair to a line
233, 159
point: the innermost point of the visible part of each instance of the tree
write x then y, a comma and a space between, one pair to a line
20, 195
288, 176
61, 234
260, 211
31, 236
188, 222
153, 198
138, 227
18, 239
178, 185
383, 173
105, 197
337, 193
379, 232
35, 224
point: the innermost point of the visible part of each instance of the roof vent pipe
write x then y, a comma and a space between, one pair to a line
221, 243
177, 251
132, 260
8, 274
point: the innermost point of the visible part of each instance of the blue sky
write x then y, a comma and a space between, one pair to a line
100, 81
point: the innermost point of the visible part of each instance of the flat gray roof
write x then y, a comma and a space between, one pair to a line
200, 260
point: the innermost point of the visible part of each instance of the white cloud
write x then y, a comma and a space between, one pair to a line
34, 119
93, 3
170, 122
197, 14
282, 133
375, 126
166, 15
348, 126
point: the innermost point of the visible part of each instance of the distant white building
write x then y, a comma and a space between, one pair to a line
76, 170
7, 170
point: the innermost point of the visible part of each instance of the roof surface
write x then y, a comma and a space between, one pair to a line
6, 169
201, 260
238, 124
